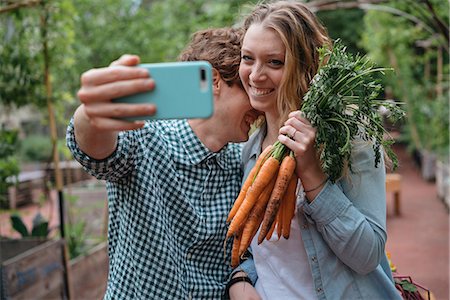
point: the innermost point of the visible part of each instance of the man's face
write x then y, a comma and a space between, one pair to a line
234, 106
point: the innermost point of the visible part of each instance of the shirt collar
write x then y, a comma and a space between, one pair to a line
195, 150
258, 137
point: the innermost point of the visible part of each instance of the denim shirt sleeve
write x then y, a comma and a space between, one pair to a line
351, 214
247, 266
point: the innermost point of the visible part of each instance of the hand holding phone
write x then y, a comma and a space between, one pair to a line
182, 90
100, 85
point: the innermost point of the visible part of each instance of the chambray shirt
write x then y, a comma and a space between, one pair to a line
343, 230
168, 198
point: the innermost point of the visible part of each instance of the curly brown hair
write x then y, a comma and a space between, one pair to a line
221, 47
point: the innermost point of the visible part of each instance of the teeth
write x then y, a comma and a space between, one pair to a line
260, 92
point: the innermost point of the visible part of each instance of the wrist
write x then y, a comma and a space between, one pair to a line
238, 277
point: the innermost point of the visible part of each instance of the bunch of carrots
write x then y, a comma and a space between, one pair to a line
267, 199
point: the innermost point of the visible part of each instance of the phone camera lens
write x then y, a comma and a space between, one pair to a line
203, 74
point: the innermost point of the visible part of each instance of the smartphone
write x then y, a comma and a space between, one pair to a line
182, 90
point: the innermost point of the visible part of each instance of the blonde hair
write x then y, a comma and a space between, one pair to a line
302, 34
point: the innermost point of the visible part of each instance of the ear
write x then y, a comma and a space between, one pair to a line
217, 81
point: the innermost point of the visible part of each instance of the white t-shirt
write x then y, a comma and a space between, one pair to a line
282, 267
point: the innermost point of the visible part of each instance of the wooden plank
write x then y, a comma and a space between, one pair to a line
12, 248
35, 273
89, 274
393, 182
393, 185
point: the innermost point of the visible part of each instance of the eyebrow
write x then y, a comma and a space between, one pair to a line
270, 54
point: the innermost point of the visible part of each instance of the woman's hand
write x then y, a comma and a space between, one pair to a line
299, 135
100, 86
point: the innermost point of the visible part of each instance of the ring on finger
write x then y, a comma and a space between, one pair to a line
292, 136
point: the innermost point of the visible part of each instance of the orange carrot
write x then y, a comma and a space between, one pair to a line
255, 218
267, 171
287, 168
247, 183
279, 218
235, 250
289, 199
272, 229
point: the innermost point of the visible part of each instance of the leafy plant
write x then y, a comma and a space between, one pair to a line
39, 227
9, 166
342, 104
75, 238
75, 230
413, 42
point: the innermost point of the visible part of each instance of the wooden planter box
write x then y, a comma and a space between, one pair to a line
428, 165
443, 181
32, 269
89, 274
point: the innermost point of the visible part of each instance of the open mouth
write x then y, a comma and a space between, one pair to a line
259, 91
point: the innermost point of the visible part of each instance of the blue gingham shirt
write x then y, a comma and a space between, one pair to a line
168, 197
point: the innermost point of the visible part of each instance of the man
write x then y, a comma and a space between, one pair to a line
170, 183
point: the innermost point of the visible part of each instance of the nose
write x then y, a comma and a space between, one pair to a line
257, 73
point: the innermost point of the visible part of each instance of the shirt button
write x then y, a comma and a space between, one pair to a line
189, 256
319, 290
314, 259
305, 226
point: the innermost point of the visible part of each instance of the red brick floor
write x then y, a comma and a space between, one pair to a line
418, 239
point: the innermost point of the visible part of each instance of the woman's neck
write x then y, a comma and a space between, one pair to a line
272, 123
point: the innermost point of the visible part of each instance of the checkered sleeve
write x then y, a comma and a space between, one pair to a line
112, 168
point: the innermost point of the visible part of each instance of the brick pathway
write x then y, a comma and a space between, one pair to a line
418, 239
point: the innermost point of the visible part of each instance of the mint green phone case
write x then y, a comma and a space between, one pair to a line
182, 90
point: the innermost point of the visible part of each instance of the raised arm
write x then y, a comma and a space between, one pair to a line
96, 119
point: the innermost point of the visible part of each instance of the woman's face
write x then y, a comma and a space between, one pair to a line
262, 67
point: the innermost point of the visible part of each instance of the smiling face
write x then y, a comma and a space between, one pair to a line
262, 67
233, 107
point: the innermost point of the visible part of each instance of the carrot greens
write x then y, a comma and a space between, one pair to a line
342, 104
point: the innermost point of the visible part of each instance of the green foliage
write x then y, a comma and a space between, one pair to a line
22, 72
36, 148
407, 38
339, 27
19, 226
75, 230
20, 75
39, 229
342, 104
9, 166
75, 238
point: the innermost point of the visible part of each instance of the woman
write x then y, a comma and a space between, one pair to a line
336, 249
